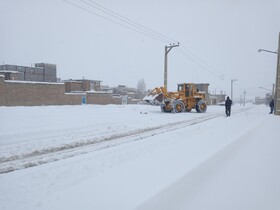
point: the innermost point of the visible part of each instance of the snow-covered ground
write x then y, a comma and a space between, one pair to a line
136, 157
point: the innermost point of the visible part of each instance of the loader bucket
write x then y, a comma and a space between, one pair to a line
154, 99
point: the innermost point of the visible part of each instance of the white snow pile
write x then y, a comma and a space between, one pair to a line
137, 157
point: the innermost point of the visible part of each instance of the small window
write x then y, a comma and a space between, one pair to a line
180, 88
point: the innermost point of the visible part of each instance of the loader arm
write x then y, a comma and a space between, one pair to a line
156, 96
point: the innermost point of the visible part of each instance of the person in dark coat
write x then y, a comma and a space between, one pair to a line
271, 104
228, 106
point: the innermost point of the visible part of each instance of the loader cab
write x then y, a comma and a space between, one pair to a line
186, 88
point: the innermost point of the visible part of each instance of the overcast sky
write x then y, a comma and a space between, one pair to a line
219, 40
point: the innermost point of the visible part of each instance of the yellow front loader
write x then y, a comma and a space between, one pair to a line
186, 98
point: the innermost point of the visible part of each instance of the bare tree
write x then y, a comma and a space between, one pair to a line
141, 86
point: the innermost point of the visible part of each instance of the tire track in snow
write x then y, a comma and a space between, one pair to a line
51, 154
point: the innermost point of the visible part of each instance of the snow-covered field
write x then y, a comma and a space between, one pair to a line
136, 157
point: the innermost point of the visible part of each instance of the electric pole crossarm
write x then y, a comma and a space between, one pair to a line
170, 47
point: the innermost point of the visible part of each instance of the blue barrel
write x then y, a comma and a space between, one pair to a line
84, 100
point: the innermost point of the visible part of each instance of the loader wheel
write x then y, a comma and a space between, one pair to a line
201, 106
178, 106
165, 108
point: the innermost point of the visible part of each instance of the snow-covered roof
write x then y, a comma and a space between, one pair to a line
34, 82
76, 93
81, 80
9, 71
99, 92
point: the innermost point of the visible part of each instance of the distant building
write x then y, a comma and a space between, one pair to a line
265, 100
82, 85
123, 90
202, 87
216, 99
10, 75
259, 100
42, 72
211, 99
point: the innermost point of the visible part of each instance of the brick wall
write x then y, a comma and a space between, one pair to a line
2, 90
18, 93
73, 86
22, 93
102, 98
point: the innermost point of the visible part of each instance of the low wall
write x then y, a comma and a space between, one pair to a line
102, 98
2, 90
22, 93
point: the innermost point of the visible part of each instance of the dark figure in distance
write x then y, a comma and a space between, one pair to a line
228, 106
271, 104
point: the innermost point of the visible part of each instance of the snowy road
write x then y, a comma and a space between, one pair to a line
21, 149
40, 156
127, 157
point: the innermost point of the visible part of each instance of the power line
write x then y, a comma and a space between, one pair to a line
190, 55
139, 28
110, 20
127, 20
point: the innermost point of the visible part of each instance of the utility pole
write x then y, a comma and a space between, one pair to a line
277, 84
167, 50
277, 88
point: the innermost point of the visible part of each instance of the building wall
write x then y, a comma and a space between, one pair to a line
15, 93
216, 98
19, 93
42, 72
85, 85
67, 87
77, 85
10, 75
95, 85
202, 87
2, 90
49, 71
73, 86
102, 98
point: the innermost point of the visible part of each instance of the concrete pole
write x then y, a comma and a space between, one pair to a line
165, 68
277, 88
166, 51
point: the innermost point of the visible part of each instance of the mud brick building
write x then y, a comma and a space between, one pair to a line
82, 85
42, 72
31, 93
36, 86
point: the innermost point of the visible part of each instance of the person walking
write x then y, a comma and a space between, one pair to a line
271, 104
228, 106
